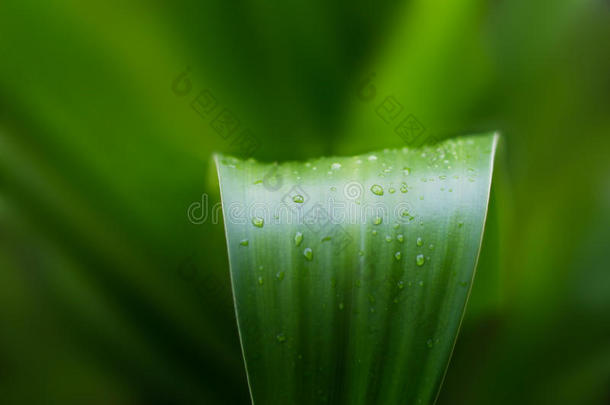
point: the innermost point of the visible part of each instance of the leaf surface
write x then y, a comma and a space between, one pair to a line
351, 274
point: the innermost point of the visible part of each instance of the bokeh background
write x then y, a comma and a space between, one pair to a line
110, 293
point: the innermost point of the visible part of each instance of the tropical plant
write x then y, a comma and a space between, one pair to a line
351, 275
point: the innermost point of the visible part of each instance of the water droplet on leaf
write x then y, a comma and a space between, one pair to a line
377, 189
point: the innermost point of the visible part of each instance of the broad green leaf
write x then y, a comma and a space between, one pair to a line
351, 274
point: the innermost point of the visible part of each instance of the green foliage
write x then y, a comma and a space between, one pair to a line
351, 276
108, 290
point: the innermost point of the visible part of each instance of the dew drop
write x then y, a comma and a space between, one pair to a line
388, 238
407, 215
325, 239
298, 199
280, 275
258, 222
372, 157
281, 337
260, 280
374, 232
401, 285
377, 189
403, 188
308, 253
406, 171
377, 220
244, 242
429, 343
298, 238
397, 256
391, 190
419, 242
420, 260
341, 306
400, 238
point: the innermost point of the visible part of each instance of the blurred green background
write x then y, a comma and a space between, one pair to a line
110, 294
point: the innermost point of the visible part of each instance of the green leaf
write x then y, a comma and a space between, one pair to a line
351, 274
